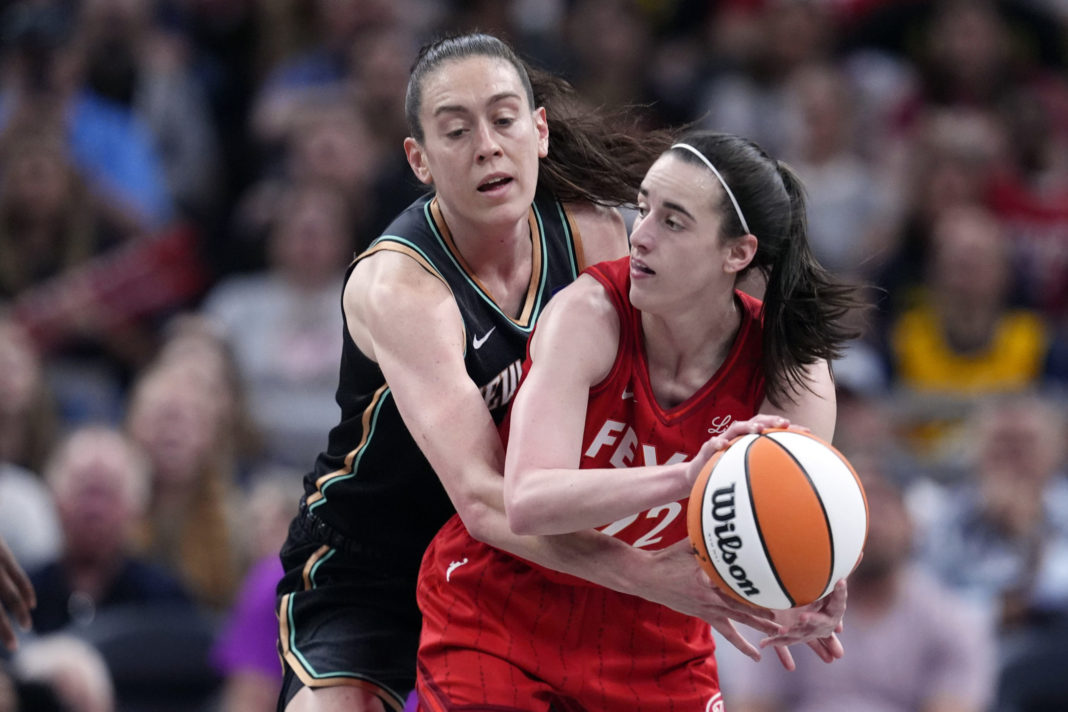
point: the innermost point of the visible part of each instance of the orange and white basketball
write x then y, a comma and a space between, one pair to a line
777, 518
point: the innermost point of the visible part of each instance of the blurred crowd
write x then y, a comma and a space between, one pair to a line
183, 182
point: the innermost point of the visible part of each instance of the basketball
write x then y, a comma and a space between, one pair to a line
777, 518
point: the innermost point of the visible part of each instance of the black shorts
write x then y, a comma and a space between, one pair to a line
347, 615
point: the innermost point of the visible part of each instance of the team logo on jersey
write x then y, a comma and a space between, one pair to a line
715, 704
625, 447
499, 391
720, 424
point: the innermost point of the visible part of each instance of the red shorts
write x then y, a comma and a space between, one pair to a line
498, 634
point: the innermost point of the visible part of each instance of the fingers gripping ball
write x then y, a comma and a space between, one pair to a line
777, 518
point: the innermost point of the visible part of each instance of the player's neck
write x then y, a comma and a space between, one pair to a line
499, 259
685, 350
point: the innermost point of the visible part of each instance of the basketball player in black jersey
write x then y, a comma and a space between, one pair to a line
437, 312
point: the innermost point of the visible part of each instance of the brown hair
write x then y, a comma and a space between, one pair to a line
594, 156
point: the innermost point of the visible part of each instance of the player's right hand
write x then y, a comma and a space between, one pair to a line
675, 580
16, 597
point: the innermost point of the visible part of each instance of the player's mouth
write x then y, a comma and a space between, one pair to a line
494, 183
639, 267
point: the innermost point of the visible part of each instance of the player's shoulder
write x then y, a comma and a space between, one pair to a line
386, 284
392, 267
586, 294
582, 307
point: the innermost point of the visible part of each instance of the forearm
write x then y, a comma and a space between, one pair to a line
559, 501
670, 577
587, 554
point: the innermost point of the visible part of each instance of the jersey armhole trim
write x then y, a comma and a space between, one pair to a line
392, 243
576, 239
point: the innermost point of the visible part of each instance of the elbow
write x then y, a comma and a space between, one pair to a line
522, 513
520, 520
478, 518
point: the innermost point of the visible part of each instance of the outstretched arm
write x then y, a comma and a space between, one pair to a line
406, 320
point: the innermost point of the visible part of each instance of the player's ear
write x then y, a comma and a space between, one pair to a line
741, 252
541, 126
417, 160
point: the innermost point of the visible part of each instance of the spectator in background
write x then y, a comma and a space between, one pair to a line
758, 50
28, 521
181, 418
51, 226
608, 44
283, 324
246, 652
328, 142
81, 280
333, 144
1029, 192
945, 164
971, 54
99, 480
134, 62
73, 668
49, 220
379, 74
963, 338
999, 536
320, 67
193, 340
851, 207
28, 421
912, 644
43, 81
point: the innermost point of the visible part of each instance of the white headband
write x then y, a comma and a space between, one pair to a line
737, 208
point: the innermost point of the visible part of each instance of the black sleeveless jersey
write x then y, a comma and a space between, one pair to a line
373, 483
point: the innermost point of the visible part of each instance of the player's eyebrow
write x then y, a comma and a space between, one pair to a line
460, 109
669, 204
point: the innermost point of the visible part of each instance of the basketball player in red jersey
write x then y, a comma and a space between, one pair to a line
636, 375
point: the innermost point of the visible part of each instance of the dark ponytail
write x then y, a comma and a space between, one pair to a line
594, 156
804, 305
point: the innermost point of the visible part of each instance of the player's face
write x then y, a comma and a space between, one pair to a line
677, 257
482, 141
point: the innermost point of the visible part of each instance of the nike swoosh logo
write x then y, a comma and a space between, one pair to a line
628, 394
477, 341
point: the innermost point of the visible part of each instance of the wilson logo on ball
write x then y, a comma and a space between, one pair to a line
777, 518
729, 543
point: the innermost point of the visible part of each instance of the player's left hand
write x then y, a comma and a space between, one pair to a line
816, 625
757, 424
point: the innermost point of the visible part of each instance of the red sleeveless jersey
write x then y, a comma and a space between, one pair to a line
503, 632
626, 427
